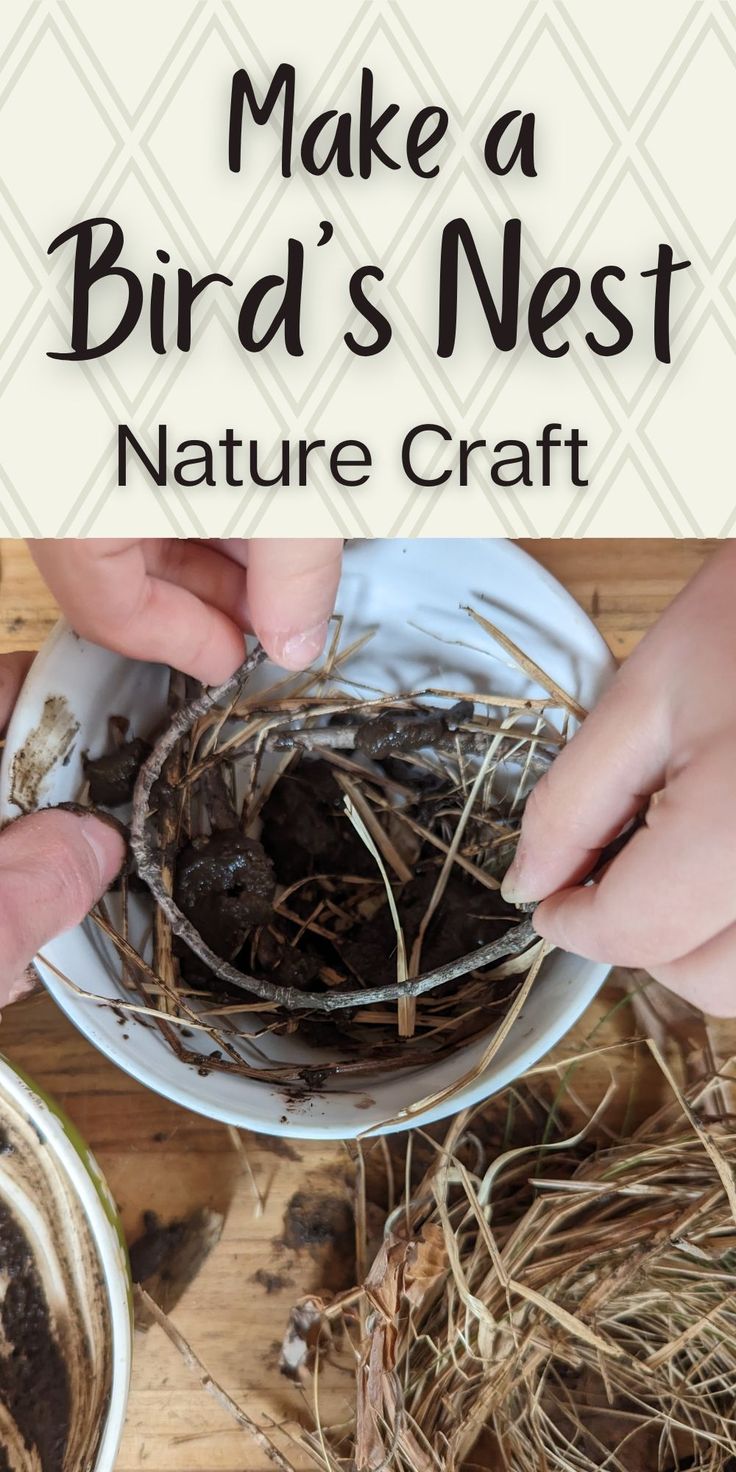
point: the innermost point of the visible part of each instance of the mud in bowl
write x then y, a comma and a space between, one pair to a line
65, 1346
404, 618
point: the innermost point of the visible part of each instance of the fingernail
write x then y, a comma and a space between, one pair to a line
107, 846
513, 889
296, 651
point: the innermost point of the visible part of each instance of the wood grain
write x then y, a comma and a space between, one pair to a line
624, 584
159, 1157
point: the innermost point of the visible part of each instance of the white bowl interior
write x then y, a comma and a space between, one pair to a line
412, 593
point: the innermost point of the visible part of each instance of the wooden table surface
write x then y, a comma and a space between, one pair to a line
158, 1157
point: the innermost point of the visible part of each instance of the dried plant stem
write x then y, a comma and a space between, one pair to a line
169, 815
725, 1170
444, 873
580, 1321
326, 739
363, 833
488, 880
381, 839
499, 1037
529, 666
238, 1144
194, 1363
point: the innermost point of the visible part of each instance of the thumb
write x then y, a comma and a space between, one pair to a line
600, 780
291, 595
54, 867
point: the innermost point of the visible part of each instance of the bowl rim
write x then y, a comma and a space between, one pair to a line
185, 1094
93, 1194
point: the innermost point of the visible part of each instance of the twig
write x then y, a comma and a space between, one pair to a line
170, 812
194, 1363
473, 738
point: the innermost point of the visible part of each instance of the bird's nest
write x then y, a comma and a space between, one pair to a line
325, 864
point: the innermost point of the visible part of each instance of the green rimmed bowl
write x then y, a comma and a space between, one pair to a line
52, 1189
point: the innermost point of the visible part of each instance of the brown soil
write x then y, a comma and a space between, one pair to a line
272, 1282
33, 1379
226, 884
323, 1224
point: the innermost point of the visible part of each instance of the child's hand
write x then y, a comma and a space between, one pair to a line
53, 867
188, 603
667, 726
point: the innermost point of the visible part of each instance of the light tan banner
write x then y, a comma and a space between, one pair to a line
475, 267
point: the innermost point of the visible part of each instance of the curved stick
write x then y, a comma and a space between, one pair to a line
149, 868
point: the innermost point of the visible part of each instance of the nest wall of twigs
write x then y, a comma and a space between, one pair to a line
325, 864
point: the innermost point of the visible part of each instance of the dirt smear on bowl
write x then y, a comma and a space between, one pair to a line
49, 743
34, 1383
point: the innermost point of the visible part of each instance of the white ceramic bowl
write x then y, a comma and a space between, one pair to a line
83, 1182
412, 593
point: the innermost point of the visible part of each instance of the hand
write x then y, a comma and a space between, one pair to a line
665, 730
53, 867
189, 603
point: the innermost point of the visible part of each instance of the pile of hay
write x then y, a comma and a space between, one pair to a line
595, 1328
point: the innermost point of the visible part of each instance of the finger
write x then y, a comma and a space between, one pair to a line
53, 869
291, 589
82, 570
707, 977
666, 893
236, 548
13, 670
21, 987
593, 788
204, 570
173, 627
108, 595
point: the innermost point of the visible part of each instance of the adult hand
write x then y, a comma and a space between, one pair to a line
666, 731
189, 603
53, 867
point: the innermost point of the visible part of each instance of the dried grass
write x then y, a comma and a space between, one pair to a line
538, 1299
531, 1310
